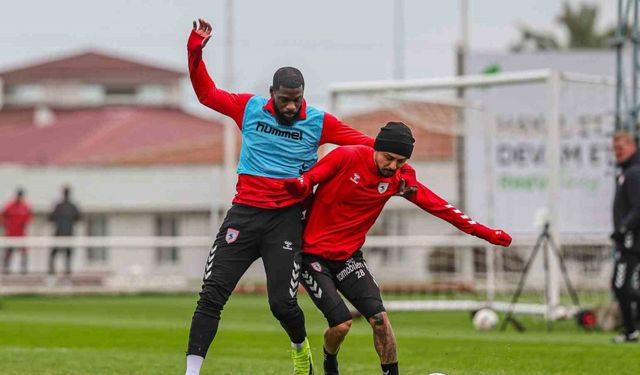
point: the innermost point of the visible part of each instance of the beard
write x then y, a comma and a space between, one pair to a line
387, 172
285, 120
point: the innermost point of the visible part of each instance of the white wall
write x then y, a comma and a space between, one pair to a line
132, 197
116, 189
599, 62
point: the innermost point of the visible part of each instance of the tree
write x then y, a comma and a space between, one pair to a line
580, 26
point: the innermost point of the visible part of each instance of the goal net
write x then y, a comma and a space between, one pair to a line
514, 151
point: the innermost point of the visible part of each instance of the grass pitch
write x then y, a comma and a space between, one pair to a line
148, 335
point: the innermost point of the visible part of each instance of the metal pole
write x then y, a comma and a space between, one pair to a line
229, 62
461, 52
334, 108
548, 290
633, 117
230, 127
619, 41
463, 43
489, 136
398, 40
553, 197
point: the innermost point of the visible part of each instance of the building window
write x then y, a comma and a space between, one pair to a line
97, 226
442, 260
25, 93
120, 95
120, 91
152, 94
480, 259
92, 94
167, 226
390, 223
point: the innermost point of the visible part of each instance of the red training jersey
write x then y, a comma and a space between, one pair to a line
15, 217
350, 197
258, 191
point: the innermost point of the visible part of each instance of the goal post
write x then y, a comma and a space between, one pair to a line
537, 149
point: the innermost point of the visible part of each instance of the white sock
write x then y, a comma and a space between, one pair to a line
295, 346
194, 363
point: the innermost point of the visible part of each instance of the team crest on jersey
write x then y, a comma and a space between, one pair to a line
316, 266
355, 178
382, 187
232, 235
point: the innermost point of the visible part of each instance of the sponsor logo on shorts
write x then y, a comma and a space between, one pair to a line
232, 235
287, 245
351, 266
316, 266
382, 187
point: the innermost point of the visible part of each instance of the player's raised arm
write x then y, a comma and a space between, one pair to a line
435, 205
208, 94
337, 132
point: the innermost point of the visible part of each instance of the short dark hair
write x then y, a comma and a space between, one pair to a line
288, 77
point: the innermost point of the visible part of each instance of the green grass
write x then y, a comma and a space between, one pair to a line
148, 335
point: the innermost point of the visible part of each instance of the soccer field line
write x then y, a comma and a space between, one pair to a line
91, 321
38, 349
313, 330
177, 324
7, 349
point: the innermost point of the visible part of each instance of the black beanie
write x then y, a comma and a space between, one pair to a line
395, 137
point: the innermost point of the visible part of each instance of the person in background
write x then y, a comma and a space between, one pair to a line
64, 217
626, 233
15, 217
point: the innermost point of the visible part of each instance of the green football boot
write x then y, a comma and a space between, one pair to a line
302, 361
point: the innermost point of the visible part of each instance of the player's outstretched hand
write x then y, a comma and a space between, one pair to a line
298, 187
204, 30
494, 236
404, 190
499, 237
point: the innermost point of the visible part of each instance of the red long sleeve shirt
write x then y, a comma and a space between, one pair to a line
15, 217
350, 196
255, 190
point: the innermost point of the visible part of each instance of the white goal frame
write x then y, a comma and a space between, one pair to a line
551, 78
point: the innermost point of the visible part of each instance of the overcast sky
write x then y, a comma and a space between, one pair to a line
329, 40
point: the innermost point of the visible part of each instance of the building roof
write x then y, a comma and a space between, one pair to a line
114, 135
133, 136
433, 127
90, 66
